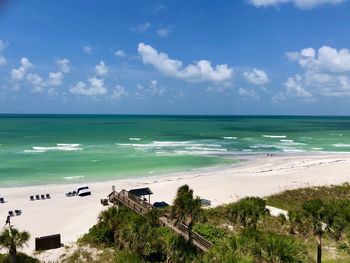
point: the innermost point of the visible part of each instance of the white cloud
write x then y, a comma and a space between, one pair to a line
249, 94
201, 71
154, 90
159, 7
19, 73
3, 45
151, 89
101, 68
302, 4
52, 92
55, 78
325, 59
3, 60
120, 53
338, 86
63, 64
95, 88
141, 27
325, 72
292, 56
294, 87
118, 93
153, 84
164, 32
256, 77
87, 49
139, 90
36, 82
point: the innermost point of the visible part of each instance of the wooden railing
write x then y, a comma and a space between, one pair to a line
195, 236
142, 207
131, 201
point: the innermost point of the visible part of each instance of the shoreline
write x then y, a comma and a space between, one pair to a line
73, 216
236, 161
239, 160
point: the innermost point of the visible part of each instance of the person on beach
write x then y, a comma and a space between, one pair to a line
8, 220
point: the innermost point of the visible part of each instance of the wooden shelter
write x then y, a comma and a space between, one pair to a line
142, 193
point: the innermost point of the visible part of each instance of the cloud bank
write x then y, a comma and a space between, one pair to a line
301, 4
256, 77
325, 72
200, 71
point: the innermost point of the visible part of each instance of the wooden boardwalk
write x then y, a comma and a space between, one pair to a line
131, 201
142, 207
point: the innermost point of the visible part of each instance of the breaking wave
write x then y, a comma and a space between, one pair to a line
74, 177
275, 136
178, 147
341, 145
65, 147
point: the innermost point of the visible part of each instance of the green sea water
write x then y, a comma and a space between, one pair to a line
44, 149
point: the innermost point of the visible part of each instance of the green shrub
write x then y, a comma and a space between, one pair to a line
212, 233
99, 234
21, 258
127, 257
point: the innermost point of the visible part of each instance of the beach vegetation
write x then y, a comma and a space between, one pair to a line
142, 237
242, 231
326, 218
252, 245
293, 200
12, 239
210, 232
21, 258
247, 211
186, 209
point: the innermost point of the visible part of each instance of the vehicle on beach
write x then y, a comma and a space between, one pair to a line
83, 191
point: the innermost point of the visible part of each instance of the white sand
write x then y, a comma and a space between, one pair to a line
72, 217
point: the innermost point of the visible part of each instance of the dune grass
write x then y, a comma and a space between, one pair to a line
294, 199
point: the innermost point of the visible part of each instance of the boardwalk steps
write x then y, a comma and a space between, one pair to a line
142, 207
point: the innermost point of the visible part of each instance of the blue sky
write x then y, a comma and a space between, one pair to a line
175, 57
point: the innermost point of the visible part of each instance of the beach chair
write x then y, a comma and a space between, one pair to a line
18, 212
37, 197
11, 213
2, 200
42, 197
48, 196
32, 198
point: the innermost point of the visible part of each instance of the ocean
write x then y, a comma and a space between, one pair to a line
50, 149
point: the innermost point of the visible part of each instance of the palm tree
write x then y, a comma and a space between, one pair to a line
271, 247
317, 215
230, 250
247, 211
186, 209
111, 218
177, 249
294, 220
12, 239
277, 248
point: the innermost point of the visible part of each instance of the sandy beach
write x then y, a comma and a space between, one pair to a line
73, 216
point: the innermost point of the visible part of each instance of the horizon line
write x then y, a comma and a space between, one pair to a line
169, 115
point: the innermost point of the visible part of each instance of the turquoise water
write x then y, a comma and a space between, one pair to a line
43, 149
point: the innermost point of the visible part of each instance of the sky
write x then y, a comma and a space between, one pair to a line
254, 57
